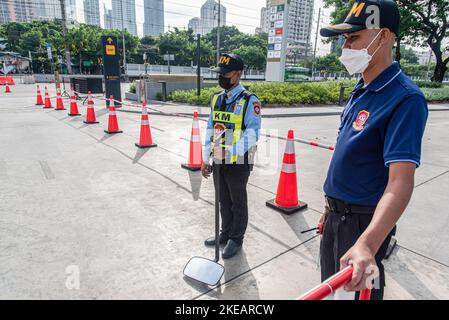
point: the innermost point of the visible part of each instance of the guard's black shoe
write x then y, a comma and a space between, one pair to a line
231, 249
211, 241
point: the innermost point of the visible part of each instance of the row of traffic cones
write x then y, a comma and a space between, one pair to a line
145, 140
286, 200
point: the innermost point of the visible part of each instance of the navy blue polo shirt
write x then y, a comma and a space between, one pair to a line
381, 124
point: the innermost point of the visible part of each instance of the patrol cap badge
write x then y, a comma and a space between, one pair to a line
360, 121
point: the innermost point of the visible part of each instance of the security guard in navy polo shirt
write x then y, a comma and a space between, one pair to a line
371, 174
233, 128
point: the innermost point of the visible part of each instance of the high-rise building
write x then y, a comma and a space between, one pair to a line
92, 12
154, 17
16, 11
209, 16
124, 15
299, 25
195, 25
108, 18
29, 10
263, 20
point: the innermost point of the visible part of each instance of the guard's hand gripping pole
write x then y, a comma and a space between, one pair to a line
333, 284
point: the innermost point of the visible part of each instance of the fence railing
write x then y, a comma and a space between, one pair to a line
136, 70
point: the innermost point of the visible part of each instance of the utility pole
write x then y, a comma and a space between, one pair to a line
218, 32
168, 55
123, 40
428, 64
316, 40
198, 65
68, 60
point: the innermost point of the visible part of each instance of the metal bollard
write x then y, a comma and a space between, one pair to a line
341, 99
164, 90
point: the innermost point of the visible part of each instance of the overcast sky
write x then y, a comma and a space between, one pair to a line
245, 15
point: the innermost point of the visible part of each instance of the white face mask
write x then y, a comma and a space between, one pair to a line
356, 61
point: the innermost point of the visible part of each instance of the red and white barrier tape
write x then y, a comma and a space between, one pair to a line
303, 141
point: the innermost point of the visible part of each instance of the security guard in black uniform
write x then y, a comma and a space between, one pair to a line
231, 138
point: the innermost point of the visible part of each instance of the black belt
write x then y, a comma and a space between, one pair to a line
339, 206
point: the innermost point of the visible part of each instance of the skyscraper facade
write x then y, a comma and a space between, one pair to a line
29, 10
108, 18
209, 16
263, 20
299, 31
153, 17
92, 12
124, 15
195, 25
17, 11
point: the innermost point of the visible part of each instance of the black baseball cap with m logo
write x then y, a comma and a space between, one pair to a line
367, 14
229, 62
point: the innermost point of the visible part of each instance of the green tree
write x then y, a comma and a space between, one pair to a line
431, 27
149, 45
254, 56
422, 22
226, 33
180, 43
12, 32
409, 56
329, 63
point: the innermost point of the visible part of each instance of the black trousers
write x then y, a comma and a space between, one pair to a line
232, 183
340, 233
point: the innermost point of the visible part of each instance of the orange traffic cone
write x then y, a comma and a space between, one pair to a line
112, 123
90, 115
39, 100
287, 194
47, 100
7, 89
59, 103
73, 105
196, 148
146, 141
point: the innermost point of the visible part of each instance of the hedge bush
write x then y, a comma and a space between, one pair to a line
429, 84
273, 94
132, 87
436, 94
276, 93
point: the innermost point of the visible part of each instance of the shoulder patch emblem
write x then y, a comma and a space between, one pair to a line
360, 121
256, 105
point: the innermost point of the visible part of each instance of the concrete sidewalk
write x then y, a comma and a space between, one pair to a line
129, 220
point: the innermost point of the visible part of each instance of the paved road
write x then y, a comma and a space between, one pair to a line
74, 198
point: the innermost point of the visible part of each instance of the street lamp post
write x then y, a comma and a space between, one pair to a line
218, 31
123, 39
